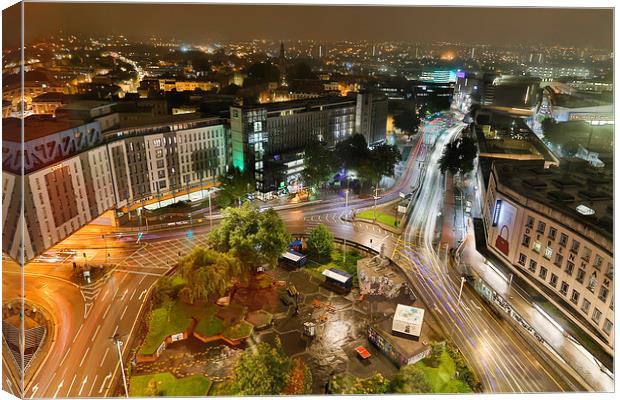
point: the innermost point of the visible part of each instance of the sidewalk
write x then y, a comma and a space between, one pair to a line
571, 353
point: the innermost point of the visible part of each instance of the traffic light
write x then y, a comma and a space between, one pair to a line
140, 235
190, 234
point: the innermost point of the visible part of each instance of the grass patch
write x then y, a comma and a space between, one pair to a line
384, 218
315, 268
443, 377
172, 317
238, 331
209, 324
168, 385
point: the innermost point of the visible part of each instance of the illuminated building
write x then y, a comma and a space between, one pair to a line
73, 174
269, 138
553, 227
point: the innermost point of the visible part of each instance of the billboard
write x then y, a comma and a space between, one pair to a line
503, 226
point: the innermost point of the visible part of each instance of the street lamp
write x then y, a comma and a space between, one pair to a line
117, 341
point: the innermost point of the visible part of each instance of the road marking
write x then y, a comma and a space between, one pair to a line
92, 386
82, 387
139, 283
115, 330
104, 356
124, 311
66, 354
78, 333
34, 390
84, 356
132, 294
142, 294
107, 377
71, 386
106, 310
59, 387
96, 332
124, 294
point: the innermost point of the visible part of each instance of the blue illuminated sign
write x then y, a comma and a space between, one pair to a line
498, 209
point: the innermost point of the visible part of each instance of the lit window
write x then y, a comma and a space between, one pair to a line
607, 326
548, 253
537, 247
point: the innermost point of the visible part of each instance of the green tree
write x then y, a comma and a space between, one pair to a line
352, 152
348, 384
252, 236
318, 165
262, 370
320, 243
458, 156
434, 358
411, 379
163, 291
207, 272
234, 185
385, 157
407, 120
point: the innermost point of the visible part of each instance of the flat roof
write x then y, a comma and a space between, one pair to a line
575, 189
35, 126
337, 275
293, 256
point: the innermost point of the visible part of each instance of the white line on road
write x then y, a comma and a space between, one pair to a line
124, 311
96, 332
132, 294
115, 330
139, 283
78, 333
92, 386
71, 386
124, 294
84, 356
142, 294
106, 310
66, 354
59, 387
104, 356
82, 387
107, 377
34, 390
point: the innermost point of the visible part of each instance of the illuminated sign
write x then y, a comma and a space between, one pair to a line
498, 209
584, 210
57, 166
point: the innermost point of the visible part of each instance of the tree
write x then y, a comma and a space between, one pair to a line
234, 185
262, 72
348, 384
207, 272
352, 152
262, 370
151, 388
318, 165
251, 236
320, 243
384, 158
434, 358
458, 156
163, 291
299, 380
407, 120
300, 70
411, 379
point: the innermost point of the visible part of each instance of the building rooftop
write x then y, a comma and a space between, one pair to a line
304, 103
50, 97
35, 126
575, 190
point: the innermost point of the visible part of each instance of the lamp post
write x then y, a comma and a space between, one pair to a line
118, 343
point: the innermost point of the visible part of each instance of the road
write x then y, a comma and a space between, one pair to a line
89, 363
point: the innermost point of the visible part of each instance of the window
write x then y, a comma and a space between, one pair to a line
554, 280
592, 283
574, 297
160, 163
542, 273
530, 222
558, 260
541, 227
563, 240
585, 306
522, 259
598, 261
575, 247
526, 241
564, 288
552, 233
585, 255
532, 266
596, 316
569, 268
580, 275
610, 270
536, 247
607, 326
548, 253
602, 294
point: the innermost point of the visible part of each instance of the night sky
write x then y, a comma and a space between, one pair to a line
194, 23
